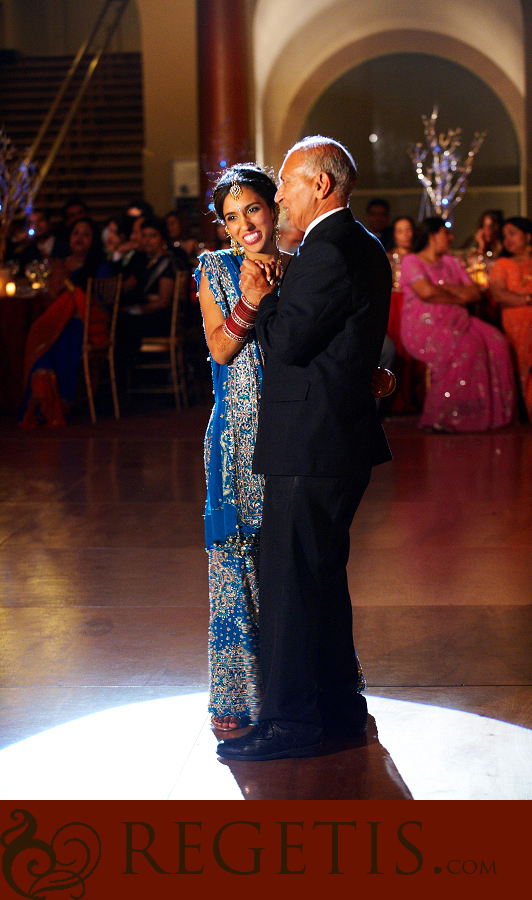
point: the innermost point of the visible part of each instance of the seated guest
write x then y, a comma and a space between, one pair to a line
174, 229
378, 220
124, 246
85, 257
511, 287
151, 312
472, 383
159, 275
75, 208
409, 394
129, 259
486, 243
53, 347
480, 252
111, 238
403, 230
180, 234
44, 244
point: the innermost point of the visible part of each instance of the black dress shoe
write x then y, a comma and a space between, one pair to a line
352, 721
272, 739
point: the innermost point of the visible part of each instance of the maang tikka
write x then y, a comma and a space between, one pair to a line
236, 192
236, 189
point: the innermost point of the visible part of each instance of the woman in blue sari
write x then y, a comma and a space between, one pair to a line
244, 203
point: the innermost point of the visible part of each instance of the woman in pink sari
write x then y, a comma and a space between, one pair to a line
472, 386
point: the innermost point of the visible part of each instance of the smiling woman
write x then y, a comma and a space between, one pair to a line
248, 221
244, 200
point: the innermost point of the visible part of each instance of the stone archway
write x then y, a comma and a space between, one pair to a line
300, 49
279, 134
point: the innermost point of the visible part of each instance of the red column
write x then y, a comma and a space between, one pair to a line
224, 95
527, 46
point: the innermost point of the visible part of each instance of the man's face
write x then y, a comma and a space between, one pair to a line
40, 225
153, 242
74, 212
377, 218
137, 237
297, 192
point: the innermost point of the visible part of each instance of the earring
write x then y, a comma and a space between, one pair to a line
235, 246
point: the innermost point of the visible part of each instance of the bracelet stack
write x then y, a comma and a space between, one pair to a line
241, 321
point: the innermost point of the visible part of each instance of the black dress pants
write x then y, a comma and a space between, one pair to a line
307, 653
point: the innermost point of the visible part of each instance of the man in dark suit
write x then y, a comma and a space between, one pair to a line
319, 435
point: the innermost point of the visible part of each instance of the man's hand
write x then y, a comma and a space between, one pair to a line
253, 281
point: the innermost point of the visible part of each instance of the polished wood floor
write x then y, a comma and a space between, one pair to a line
104, 616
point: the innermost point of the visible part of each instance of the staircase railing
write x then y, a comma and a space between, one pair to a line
97, 43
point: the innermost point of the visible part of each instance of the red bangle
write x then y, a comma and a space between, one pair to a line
241, 321
233, 335
248, 305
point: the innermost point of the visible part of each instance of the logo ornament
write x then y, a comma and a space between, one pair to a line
35, 869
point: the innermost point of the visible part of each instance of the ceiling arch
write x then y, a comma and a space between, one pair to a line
300, 49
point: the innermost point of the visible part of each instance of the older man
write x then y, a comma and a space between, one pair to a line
318, 437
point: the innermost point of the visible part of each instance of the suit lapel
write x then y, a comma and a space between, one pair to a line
285, 270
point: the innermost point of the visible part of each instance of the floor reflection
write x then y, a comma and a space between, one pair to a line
164, 749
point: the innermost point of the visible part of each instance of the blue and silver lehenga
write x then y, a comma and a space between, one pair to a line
233, 511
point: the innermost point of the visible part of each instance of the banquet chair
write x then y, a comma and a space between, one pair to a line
165, 353
98, 350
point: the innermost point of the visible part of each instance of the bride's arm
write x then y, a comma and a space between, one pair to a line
222, 348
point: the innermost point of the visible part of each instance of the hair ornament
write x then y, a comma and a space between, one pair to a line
236, 189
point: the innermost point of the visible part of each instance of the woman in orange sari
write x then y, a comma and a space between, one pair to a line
511, 287
53, 347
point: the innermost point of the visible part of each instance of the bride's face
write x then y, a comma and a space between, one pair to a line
249, 221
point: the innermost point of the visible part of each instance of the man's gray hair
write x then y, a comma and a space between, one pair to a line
323, 154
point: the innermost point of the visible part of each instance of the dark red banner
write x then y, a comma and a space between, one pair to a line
152, 849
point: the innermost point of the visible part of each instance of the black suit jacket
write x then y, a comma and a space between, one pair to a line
322, 338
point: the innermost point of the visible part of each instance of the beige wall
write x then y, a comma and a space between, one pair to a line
168, 36
59, 27
299, 48
165, 32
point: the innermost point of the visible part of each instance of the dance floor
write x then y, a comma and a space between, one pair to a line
104, 618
